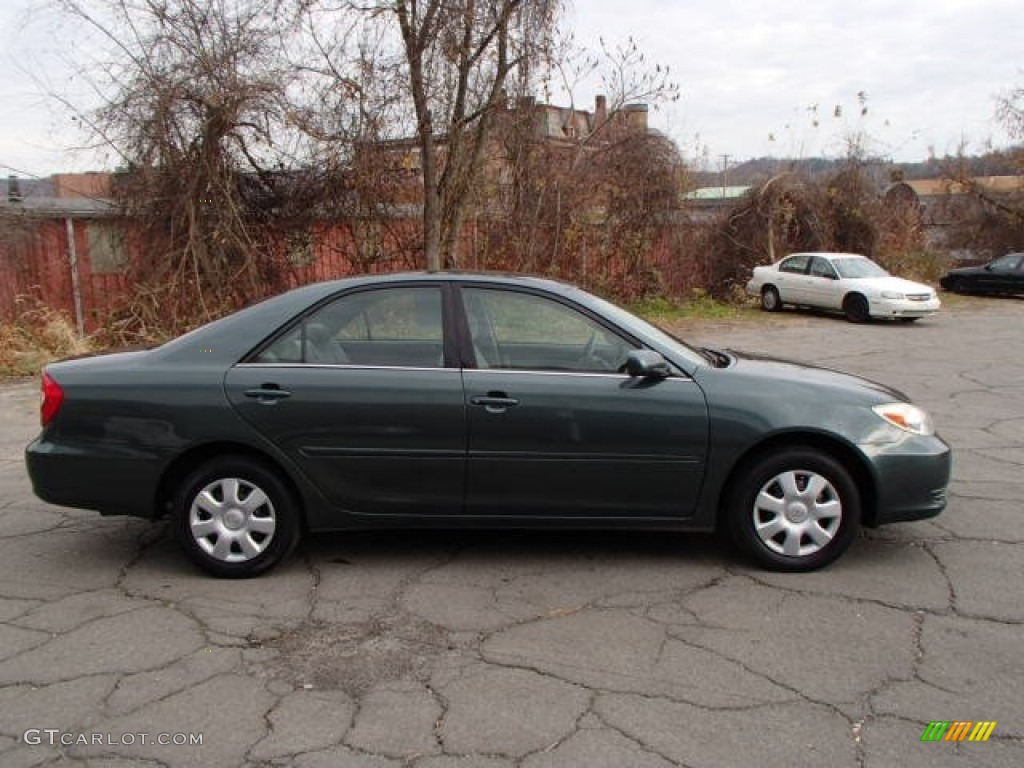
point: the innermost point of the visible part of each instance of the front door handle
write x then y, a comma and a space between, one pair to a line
494, 402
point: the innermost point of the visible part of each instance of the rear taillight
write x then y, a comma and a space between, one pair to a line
52, 399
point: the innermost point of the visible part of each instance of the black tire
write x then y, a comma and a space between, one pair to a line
253, 535
856, 308
770, 299
959, 285
816, 520
909, 319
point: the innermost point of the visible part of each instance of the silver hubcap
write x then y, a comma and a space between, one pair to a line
232, 520
797, 513
770, 300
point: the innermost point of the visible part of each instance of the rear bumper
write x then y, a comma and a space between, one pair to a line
121, 483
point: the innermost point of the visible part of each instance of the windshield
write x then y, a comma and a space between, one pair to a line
858, 266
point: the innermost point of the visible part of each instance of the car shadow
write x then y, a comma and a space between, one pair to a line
839, 317
512, 546
995, 296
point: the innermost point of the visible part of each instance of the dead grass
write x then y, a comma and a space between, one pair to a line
37, 336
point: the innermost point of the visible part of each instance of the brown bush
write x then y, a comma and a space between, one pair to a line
39, 335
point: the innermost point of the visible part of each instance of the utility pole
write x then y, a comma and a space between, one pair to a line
725, 173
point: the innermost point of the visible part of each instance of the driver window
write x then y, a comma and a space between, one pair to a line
821, 268
522, 331
1006, 263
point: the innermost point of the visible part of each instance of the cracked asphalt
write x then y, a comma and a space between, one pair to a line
539, 649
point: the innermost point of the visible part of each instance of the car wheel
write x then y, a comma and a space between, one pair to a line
770, 300
235, 518
959, 285
909, 319
856, 308
794, 510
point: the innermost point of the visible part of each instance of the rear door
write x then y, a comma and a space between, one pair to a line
555, 431
364, 396
792, 279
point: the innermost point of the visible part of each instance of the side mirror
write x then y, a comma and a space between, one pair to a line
646, 364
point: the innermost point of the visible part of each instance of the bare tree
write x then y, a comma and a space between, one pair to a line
987, 220
623, 74
195, 108
1010, 112
459, 56
585, 191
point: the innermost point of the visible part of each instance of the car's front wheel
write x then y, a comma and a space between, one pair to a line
235, 518
794, 510
770, 299
856, 308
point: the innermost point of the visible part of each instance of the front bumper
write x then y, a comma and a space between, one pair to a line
896, 308
912, 477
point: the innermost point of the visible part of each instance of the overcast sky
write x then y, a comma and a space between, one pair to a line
749, 73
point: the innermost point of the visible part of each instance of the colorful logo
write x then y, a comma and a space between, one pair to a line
958, 730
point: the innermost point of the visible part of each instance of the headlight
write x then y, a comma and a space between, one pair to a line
906, 417
893, 295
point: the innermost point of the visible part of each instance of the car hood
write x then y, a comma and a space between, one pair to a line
967, 271
778, 369
891, 283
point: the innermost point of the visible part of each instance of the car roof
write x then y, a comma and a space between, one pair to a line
830, 255
226, 339
505, 278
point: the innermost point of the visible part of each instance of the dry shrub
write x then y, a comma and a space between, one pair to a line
791, 213
38, 335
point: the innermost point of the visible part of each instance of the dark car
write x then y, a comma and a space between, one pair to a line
1004, 275
446, 399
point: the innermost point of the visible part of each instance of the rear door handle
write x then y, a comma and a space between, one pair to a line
268, 393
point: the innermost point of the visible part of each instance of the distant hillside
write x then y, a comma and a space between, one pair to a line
759, 169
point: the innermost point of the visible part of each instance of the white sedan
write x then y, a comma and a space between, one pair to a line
848, 282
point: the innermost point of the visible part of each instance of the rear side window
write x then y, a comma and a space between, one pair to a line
400, 326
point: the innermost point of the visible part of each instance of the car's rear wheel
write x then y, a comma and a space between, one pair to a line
959, 285
794, 510
770, 299
856, 308
235, 518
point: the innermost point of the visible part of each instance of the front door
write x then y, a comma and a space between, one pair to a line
822, 289
556, 431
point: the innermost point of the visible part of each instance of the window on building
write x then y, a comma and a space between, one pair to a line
107, 252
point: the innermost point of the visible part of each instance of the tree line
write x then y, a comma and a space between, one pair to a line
239, 124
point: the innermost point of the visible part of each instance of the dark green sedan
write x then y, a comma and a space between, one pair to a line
473, 400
